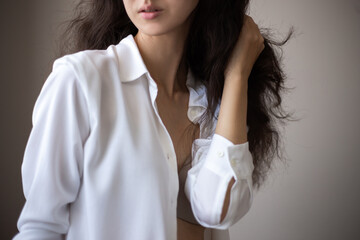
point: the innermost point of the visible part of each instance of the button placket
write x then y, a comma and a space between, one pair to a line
167, 145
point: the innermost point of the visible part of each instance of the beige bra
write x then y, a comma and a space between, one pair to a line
184, 211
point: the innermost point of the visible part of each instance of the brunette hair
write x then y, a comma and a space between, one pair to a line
213, 34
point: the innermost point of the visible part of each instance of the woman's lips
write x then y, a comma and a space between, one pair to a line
150, 15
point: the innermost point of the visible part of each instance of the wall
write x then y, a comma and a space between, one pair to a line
315, 197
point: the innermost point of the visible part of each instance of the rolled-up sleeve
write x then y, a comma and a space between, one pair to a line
215, 162
52, 164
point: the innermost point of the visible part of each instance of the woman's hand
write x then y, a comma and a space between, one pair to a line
247, 49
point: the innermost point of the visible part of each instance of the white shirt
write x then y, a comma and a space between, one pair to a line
100, 165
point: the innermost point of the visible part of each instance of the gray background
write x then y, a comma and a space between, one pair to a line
316, 196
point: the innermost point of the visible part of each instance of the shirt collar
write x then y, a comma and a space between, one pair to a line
134, 67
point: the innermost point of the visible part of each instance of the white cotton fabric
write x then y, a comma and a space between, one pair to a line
100, 165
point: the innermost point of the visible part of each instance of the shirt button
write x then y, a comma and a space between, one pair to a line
220, 153
193, 112
233, 162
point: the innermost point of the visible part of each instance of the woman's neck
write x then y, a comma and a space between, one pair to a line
164, 57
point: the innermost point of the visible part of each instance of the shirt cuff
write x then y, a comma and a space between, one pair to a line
228, 159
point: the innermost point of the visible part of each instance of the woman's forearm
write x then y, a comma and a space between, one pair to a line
233, 109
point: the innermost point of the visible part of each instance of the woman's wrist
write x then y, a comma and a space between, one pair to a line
237, 81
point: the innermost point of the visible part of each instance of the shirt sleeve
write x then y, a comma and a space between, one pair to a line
215, 162
52, 163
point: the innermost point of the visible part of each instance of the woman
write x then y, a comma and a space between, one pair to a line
143, 132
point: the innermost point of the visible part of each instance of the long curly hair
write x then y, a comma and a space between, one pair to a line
214, 32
